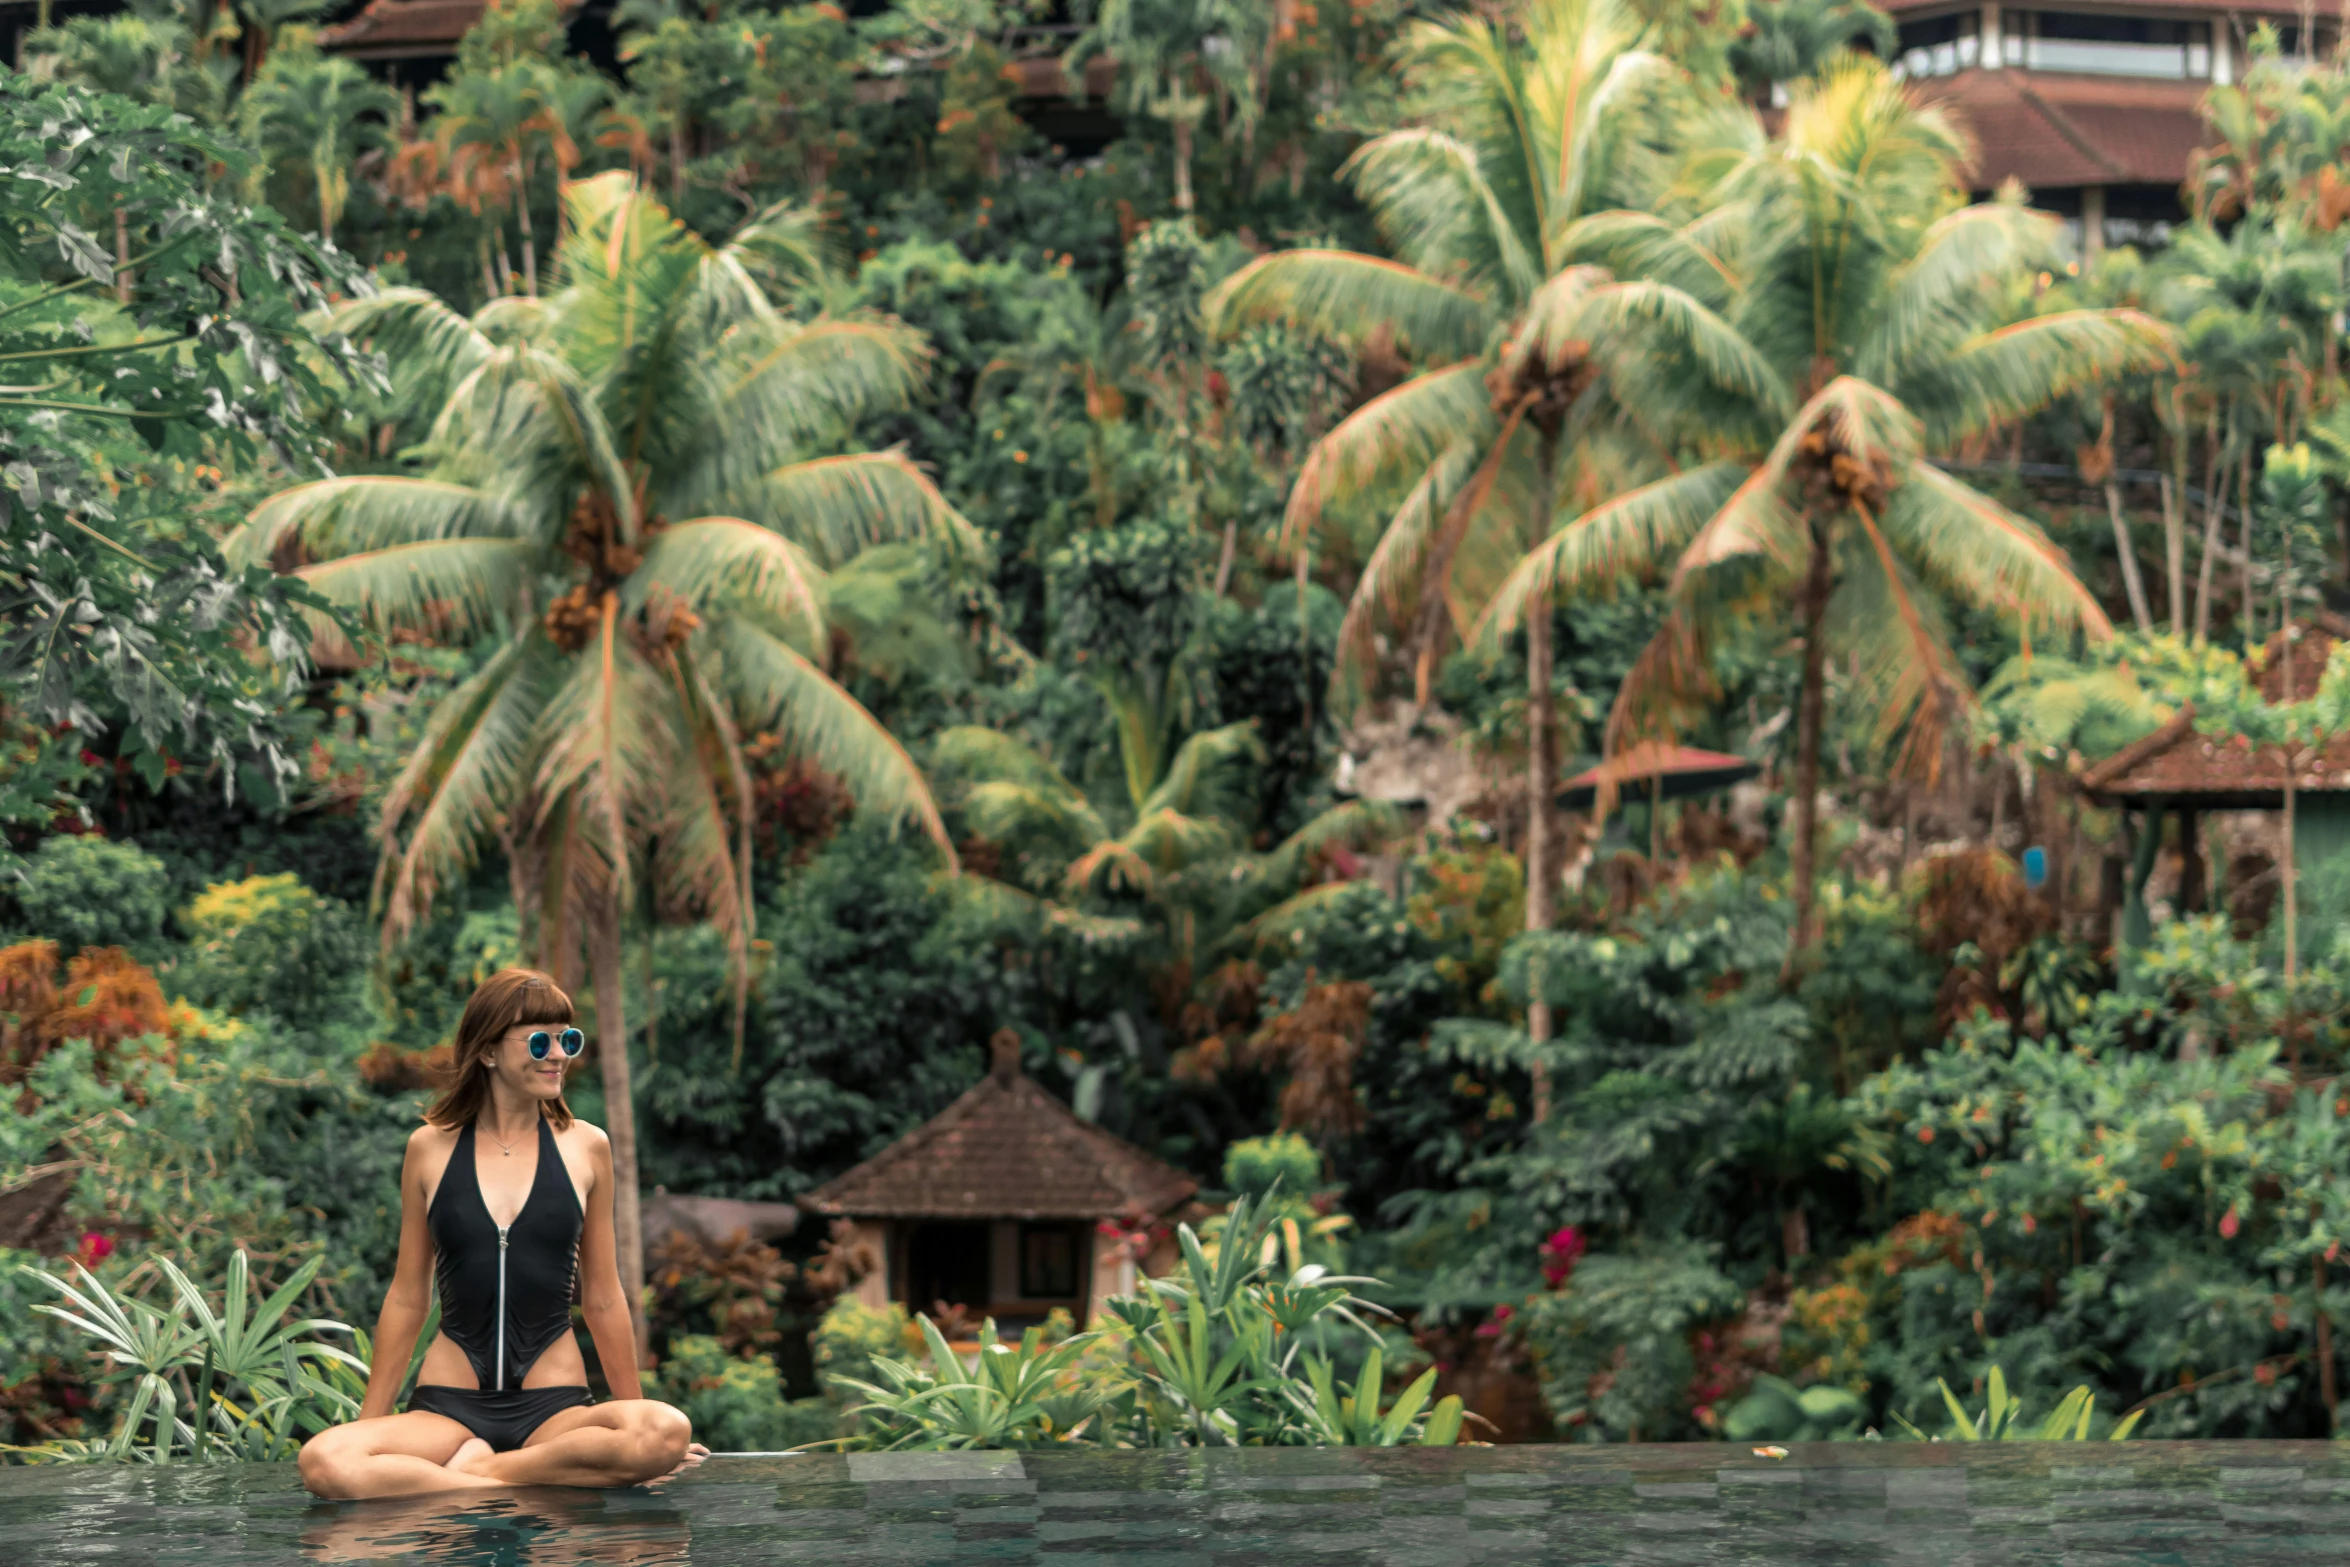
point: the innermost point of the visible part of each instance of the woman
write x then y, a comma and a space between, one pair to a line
508, 1201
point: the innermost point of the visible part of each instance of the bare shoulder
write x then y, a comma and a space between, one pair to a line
430, 1145
429, 1150
581, 1141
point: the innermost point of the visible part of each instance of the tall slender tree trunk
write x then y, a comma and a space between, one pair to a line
1810, 720
604, 964
2128, 551
1541, 775
2174, 551
530, 254
2325, 1353
1182, 128
2215, 502
2244, 505
122, 257
1224, 560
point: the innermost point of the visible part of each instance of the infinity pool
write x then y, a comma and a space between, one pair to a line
2181, 1504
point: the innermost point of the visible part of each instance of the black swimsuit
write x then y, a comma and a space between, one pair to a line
505, 1293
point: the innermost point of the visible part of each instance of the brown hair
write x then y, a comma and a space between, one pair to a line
508, 997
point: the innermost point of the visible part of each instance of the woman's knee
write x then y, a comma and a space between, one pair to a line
325, 1464
659, 1432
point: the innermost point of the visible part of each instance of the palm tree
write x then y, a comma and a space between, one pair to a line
317, 114
621, 508
1888, 311
1184, 853
1542, 115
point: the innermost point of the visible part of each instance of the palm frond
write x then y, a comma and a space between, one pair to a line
1907, 671
1356, 824
1433, 202
2008, 374
713, 561
612, 740
335, 516
1394, 435
415, 330
775, 687
839, 507
1937, 295
1208, 774
1350, 298
1615, 313
1647, 245
1969, 545
1634, 534
1394, 577
462, 779
439, 586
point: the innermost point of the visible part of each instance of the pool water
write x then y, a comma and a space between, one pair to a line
2181, 1504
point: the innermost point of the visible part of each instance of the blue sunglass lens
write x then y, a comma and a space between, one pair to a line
572, 1039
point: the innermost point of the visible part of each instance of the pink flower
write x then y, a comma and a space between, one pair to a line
1498, 1323
2229, 1224
1560, 1254
95, 1248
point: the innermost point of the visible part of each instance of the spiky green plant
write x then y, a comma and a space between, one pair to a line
242, 1379
625, 505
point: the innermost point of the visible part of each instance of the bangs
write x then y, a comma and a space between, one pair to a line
542, 1003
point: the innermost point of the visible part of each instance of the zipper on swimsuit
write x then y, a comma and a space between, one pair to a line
501, 1308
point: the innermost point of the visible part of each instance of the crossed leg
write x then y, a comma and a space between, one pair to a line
391, 1455
625, 1442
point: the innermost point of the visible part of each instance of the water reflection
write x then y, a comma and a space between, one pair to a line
527, 1528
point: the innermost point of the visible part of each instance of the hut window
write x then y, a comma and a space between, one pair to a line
1048, 1262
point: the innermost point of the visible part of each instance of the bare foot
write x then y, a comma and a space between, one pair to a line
469, 1458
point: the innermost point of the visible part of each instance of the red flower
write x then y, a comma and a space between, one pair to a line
95, 1248
90, 758
2229, 1224
1498, 1323
1560, 1254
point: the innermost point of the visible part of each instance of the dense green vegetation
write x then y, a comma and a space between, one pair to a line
774, 536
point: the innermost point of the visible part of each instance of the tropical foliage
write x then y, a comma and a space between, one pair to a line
1100, 534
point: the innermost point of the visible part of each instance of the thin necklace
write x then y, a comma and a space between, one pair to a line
502, 1143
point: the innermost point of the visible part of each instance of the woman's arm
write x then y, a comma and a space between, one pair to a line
410, 1296
601, 1299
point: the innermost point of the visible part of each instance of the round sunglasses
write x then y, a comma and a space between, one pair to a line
571, 1039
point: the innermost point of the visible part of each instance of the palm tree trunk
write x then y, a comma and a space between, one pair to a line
2244, 505
2174, 551
1182, 165
2215, 500
530, 255
1224, 560
1541, 777
1811, 714
122, 256
2128, 551
619, 1105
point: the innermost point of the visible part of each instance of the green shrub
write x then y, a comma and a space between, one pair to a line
736, 1403
92, 892
850, 1336
1254, 1165
271, 942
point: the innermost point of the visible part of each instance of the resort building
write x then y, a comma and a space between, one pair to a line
1007, 1205
2091, 107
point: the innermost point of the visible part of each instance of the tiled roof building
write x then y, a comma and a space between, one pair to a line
2091, 107
999, 1204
